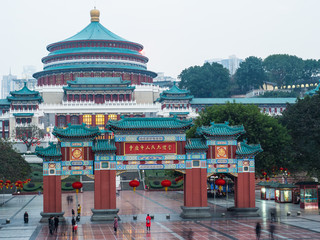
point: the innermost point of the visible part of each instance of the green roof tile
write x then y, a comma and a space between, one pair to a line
149, 123
246, 149
4, 102
80, 131
313, 91
175, 93
23, 114
196, 144
220, 129
52, 151
175, 90
95, 31
99, 81
267, 101
24, 91
104, 145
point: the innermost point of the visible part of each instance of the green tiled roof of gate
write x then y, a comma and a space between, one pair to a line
81, 131
246, 149
196, 144
51, 151
220, 129
313, 91
149, 123
104, 145
267, 101
23, 114
99, 81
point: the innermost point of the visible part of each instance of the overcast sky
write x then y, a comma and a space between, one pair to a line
176, 34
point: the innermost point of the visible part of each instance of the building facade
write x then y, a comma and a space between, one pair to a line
96, 76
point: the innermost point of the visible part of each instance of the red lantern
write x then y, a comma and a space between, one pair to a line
220, 182
77, 186
267, 179
1, 181
264, 173
261, 178
256, 178
281, 168
166, 183
134, 184
8, 182
286, 169
289, 173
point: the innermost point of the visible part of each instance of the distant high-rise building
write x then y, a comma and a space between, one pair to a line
164, 81
7, 84
232, 63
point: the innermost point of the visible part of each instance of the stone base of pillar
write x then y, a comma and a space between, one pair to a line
46, 216
244, 212
195, 212
104, 214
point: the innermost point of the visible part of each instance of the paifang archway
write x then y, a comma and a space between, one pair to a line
149, 143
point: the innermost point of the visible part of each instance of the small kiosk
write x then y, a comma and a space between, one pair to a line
267, 190
284, 193
308, 194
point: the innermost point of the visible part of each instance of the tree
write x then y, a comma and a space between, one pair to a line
250, 74
29, 135
302, 120
284, 69
13, 166
279, 94
209, 80
311, 70
260, 128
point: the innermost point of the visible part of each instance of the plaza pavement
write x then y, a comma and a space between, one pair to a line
159, 204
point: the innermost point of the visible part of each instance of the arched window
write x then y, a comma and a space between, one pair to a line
115, 97
90, 97
74, 120
108, 97
62, 121
121, 97
83, 97
87, 119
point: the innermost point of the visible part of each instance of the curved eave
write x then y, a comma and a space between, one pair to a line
56, 71
25, 99
97, 89
61, 135
148, 128
43, 155
56, 44
145, 59
175, 98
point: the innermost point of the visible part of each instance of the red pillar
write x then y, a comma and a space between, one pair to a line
195, 187
105, 189
68, 118
52, 194
245, 190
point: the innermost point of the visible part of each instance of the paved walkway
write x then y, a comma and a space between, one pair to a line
160, 204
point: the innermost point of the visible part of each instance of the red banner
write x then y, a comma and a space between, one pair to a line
150, 148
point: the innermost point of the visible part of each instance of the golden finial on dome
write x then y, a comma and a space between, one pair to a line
95, 14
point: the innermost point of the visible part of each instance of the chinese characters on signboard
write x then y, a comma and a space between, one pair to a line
150, 148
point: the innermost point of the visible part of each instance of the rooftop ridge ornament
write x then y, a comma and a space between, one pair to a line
95, 14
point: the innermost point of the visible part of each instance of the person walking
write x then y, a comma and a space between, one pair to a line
51, 225
73, 223
148, 222
26, 217
115, 224
56, 223
258, 230
272, 230
72, 211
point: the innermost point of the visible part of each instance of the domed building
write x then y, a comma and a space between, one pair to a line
96, 76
